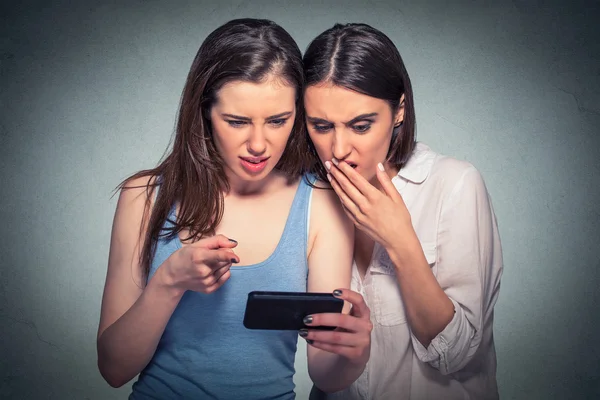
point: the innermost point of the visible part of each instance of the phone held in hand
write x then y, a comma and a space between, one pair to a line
286, 310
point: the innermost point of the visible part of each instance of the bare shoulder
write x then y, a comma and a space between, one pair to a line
326, 205
124, 276
327, 216
137, 190
131, 216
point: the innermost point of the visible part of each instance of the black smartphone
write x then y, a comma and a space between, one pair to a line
286, 310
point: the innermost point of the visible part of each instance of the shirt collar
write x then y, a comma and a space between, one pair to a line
418, 167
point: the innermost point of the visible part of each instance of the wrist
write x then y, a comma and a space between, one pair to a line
406, 252
164, 282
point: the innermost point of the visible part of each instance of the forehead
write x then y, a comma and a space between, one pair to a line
338, 103
246, 98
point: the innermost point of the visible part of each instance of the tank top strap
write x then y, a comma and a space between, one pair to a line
298, 217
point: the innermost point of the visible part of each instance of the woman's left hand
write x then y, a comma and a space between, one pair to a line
381, 214
352, 337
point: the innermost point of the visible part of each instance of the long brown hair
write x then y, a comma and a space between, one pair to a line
192, 175
361, 58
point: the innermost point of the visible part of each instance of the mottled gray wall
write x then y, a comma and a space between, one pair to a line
89, 93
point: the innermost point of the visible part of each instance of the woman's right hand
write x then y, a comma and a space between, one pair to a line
202, 266
352, 337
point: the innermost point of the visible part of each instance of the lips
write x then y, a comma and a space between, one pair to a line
254, 165
254, 160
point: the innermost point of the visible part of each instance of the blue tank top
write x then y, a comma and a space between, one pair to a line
206, 352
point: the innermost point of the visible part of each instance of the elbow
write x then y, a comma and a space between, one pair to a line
114, 380
458, 361
115, 383
324, 385
328, 385
448, 360
328, 389
111, 375
109, 367
454, 346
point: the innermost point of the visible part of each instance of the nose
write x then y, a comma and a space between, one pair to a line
341, 146
257, 142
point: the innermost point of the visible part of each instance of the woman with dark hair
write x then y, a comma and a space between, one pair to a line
427, 255
177, 281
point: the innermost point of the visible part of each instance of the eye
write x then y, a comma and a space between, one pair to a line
278, 122
362, 128
321, 128
236, 124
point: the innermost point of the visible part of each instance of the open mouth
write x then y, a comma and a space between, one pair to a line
254, 164
254, 160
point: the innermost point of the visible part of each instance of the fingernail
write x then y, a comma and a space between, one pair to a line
303, 332
337, 292
380, 166
327, 165
309, 341
329, 177
234, 261
308, 319
233, 241
335, 161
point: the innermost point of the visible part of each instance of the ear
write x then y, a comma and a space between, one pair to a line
399, 117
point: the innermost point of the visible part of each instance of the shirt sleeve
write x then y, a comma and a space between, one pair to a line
468, 261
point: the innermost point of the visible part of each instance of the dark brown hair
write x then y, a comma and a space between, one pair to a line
192, 174
361, 58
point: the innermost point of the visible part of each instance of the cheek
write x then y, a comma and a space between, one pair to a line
378, 150
376, 145
223, 139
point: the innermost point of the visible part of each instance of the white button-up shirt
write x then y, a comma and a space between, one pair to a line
453, 218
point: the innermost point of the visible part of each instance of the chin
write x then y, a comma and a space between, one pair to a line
256, 176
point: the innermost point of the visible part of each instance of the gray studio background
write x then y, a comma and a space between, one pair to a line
89, 93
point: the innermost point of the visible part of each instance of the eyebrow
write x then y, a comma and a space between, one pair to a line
352, 121
239, 117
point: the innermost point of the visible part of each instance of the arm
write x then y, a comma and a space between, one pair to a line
469, 268
428, 308
330, 268
445, 314
132, 319
383, 216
